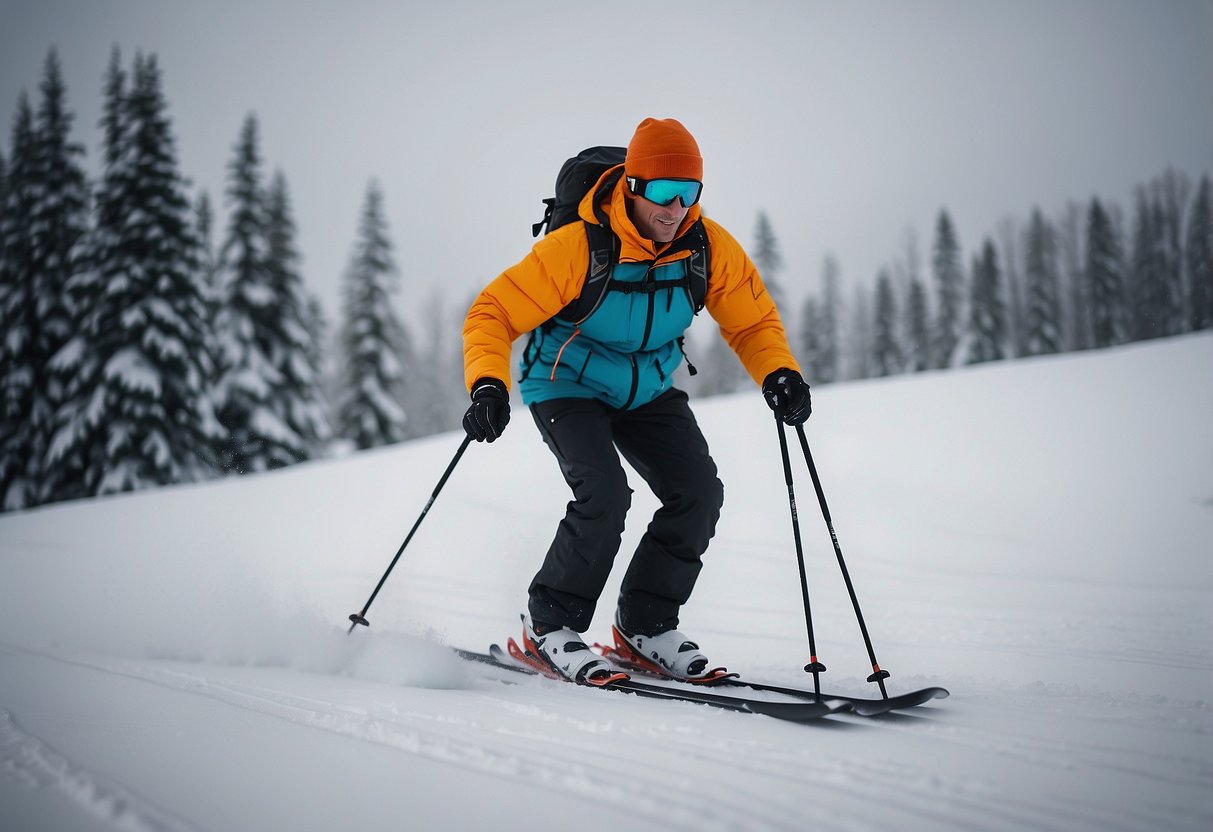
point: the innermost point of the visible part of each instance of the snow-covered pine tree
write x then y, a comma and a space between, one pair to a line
858, 359
257, 436
768, 259
1199, 255
810, 338
1042, 334
1172, 191
918, 327
61, 222
1010, 238
370, 411
1154, 304
949, 288
19, 367
1077, 329
137, 413
298, 398
987, 310
886, 346
46, 229
1105, 278
827, 366
109, 257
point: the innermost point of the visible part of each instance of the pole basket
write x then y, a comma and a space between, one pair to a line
359, 619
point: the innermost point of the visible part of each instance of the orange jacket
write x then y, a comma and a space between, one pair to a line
551, 276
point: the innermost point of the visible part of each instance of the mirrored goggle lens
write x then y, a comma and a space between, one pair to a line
665, 191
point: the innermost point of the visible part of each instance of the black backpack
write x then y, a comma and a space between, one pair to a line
579, 174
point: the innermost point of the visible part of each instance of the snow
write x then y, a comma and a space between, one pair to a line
1034, 535
130, 368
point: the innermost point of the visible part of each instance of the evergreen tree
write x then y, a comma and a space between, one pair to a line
768, 259
20, 368
949, 288
810, 339
826, 368
987, 310
370, 412
112, 257
48, 222
1077, 331
19, 365
137, 412
1010, 237
1105, 268
1199, 253
252, 344
918, 328
887, 353
1043, 325
298, 399
859, 336
1172, 190
1154, 307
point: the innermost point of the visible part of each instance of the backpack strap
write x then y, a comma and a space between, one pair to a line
603, 245
603, 253
698, 266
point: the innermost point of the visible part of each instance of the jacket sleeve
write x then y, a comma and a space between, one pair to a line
743, 308
520, 299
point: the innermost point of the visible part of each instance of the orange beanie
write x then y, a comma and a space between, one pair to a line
663, 149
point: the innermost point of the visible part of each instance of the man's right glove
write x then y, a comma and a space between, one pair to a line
489, 412
788, 395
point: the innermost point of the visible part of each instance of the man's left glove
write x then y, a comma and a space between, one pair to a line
788, 395
489, 412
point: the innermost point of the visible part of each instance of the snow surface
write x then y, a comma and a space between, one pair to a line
1035, 536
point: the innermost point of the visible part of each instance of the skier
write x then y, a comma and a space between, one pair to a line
602, 387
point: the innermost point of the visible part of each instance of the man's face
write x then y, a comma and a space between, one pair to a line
658, 223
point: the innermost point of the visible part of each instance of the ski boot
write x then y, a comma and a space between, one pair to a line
670, 654
563, 654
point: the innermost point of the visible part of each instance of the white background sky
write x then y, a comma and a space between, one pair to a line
849, 123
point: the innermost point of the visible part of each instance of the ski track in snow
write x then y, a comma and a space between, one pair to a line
31, 763
538, 733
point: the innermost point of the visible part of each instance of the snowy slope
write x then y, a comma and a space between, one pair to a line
1036, 536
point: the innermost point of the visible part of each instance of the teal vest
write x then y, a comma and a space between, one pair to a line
625, 352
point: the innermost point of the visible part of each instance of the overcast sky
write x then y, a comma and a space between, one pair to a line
847, 122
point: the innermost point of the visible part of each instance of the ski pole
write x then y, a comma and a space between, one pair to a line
360, 617
878, 676
814, 666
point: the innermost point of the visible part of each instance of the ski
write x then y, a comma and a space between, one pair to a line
802, 711
859, 705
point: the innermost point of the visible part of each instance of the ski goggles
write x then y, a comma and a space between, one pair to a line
665, 191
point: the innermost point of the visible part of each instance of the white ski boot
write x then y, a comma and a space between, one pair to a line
564, 652
669, 654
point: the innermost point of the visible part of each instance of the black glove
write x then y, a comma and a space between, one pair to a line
489, 412
788, 395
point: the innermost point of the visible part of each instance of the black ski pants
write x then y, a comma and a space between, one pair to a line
662, 442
